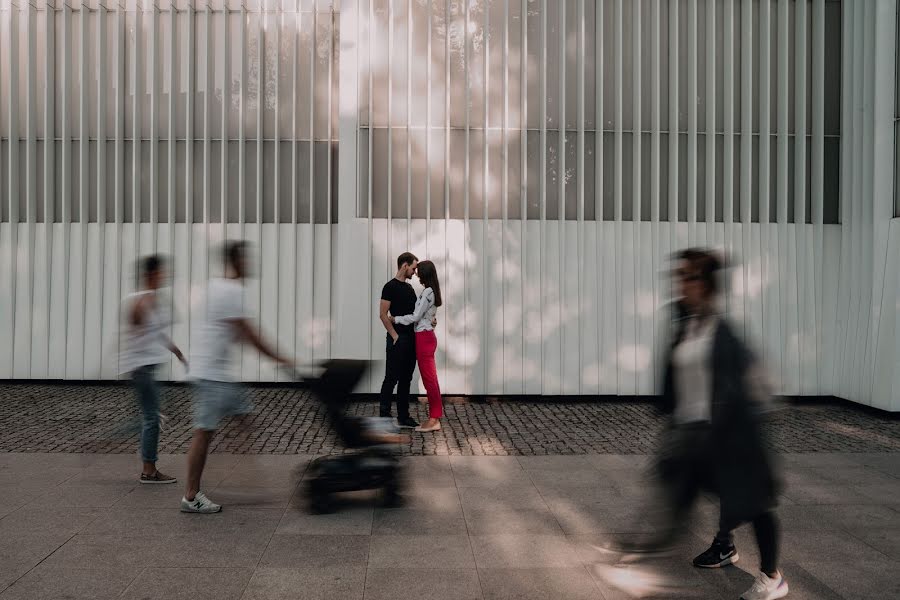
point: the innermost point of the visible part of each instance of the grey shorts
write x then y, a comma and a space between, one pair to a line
216, 400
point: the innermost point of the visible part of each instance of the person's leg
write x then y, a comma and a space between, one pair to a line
682, 476
722, 551
426, 345
147, 392
208, 407
406, 365
765, 527
197, 461
769, 584
390, 379
725, 535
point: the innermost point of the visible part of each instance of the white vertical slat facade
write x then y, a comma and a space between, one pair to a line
133, 126
694, 132
547, 156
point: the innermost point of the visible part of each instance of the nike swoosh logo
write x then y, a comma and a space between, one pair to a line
724, 556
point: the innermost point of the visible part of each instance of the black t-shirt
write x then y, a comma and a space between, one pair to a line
402, 297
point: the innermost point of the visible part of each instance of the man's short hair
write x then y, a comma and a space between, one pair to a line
151, 264
234, 252
407, 258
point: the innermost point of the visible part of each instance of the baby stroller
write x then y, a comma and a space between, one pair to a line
372, 464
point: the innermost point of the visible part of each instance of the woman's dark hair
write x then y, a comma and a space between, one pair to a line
428, 277
705, 265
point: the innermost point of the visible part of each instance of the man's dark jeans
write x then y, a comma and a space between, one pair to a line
401, 362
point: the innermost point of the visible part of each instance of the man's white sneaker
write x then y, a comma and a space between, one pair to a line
766, 588
200, 504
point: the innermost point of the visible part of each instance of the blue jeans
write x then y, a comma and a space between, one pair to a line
216, 400
147, 390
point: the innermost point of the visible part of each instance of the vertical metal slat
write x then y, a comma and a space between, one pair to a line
66, 184
154, 128
30, 179
101, 169
782, 112
655, 117
692, 116
765, 44
746, 114
121, 87
579, 174
728, 141
711, 57
800, 92
523, 163
261, 104
50, 168
83, 181
818, 112
637, 120
673, 111
619, 112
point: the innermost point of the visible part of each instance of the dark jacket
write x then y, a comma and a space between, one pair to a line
742, 469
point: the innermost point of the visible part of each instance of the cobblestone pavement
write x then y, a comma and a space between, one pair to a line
103, 419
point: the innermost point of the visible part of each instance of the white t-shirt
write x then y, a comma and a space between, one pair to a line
693, 372
212, 355
422, 314
144, 344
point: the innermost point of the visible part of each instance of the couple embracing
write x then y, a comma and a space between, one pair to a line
410, 323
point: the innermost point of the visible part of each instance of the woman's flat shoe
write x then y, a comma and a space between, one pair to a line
427, 429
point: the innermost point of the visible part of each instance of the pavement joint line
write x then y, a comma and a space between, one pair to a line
55, 550
462, 509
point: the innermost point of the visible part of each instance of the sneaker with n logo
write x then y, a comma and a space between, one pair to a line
718, 555
200, 504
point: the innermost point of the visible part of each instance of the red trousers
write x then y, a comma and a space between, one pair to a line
426, 345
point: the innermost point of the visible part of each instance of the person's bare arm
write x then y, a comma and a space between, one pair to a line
248, 333
386, 319
170, 345
136, 312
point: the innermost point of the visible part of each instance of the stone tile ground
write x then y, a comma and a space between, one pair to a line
79, 527
535, 524
103, 419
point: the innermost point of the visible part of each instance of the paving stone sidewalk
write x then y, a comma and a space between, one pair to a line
103, 419
80, 527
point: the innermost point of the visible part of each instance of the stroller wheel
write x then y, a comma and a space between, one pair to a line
391, 497
320, 504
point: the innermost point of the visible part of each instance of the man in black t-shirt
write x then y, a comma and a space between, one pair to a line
397, 299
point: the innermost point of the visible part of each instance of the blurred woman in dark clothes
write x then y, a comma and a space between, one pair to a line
714, 394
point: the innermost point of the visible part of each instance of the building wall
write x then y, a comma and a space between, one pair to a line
336, 137
866, 356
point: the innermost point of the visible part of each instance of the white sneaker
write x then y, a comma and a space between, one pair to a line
200, 504
766, 588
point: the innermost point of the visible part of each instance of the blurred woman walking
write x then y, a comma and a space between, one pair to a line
713, 391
